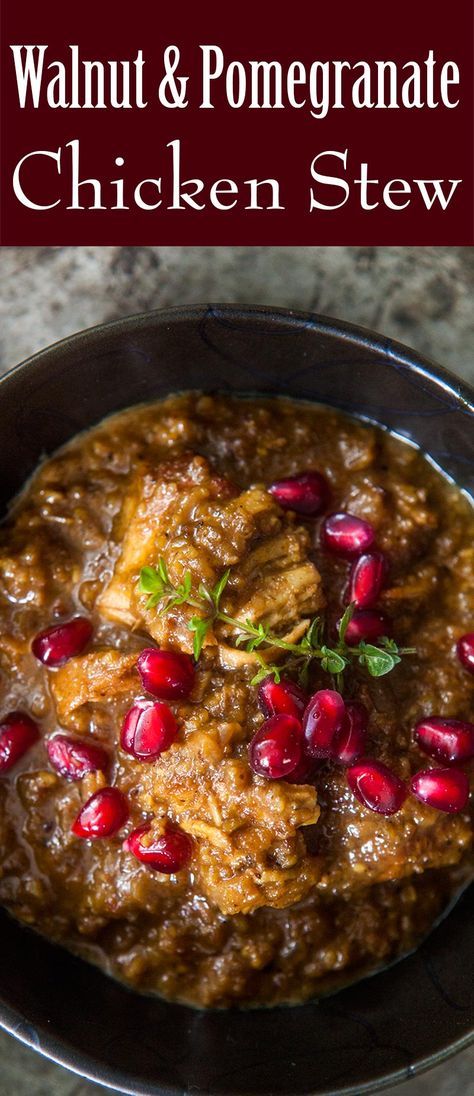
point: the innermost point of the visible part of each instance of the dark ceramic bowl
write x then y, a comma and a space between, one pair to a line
387, 1027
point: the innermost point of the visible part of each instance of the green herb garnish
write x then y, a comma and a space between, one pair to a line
378, 660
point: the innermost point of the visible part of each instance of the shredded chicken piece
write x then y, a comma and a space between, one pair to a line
249, 847
90, 680
192, 518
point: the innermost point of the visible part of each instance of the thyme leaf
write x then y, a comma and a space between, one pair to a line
345, 621
333, 661
200, 626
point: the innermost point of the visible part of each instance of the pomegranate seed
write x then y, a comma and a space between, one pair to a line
62, 641
73, 758
282, 698
323, 719
166, 674
168, 853
465, 651
352, 738
148, 730
367, 578
17, 734
307, 493
368, 625
104, 813
445, 789
276, 748
445, 739
304, 773
376, 786
346, 535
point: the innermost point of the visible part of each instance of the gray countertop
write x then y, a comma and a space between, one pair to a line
422, 296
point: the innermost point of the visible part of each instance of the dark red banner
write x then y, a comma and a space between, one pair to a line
249, 124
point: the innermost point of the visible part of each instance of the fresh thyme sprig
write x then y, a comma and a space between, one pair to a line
378, 659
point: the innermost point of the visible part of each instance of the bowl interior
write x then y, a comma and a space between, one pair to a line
385, 1027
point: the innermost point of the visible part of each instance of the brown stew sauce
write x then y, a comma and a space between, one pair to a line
291, 888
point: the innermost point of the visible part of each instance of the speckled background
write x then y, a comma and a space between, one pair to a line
422, 296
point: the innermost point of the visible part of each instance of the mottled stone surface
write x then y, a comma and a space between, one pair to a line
422, 296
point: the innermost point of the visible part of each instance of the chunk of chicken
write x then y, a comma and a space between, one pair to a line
88, 687
275, 583
195, 521
249, 847
156, 507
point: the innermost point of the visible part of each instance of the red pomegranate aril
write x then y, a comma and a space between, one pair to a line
149, 728
352, 738
448, 740
276, 748
281, 698
168, 675
306, 493
322, 722
169, 853
346, 535
17, 734
465, 651
57, 644
376, 786
444, 789
304, 773
366, 579
367, 625
102, 815
73, 758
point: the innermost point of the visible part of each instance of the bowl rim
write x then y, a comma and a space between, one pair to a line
360, 335
397, 352
112, 1080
